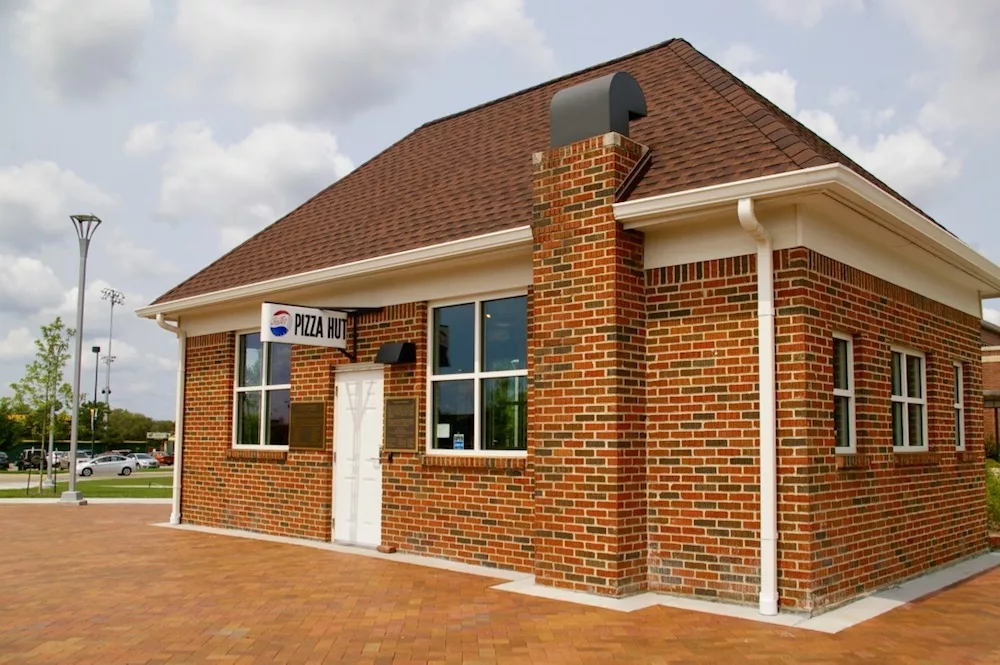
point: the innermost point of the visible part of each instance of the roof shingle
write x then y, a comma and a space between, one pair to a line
470, 173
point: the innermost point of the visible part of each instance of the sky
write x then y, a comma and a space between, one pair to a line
188, 125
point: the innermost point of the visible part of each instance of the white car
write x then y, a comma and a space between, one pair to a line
106, 465
145, 460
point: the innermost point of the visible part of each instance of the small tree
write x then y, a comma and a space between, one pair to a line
12, 427
43, 390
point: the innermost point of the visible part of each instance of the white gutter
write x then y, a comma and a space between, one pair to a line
175, 511
486, 243
836, 180
768, 442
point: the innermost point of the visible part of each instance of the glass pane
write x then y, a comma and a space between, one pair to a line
897, 424
958, 427
250, 359
277, 408
248, 419
840, 368
505, 334
916, 421
279, 361
505, 413
456, 336
914, 383
454, 419
897, 377
842, 422
958, 384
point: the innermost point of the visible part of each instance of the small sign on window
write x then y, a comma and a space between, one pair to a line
458, 441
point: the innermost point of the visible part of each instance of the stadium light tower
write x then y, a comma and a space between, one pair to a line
116, 298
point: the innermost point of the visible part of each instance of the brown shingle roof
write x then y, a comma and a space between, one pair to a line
470, 173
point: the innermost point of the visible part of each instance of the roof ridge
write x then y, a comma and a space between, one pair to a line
549, 82
794, 139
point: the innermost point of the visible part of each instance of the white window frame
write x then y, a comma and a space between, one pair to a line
906, 401
852, 446
476, 376
263, 388
958, 407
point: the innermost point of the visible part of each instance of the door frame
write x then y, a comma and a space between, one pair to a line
338, 370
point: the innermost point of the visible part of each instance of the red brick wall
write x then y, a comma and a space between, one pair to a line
585, 432
279, 493
842, 530
435, 506
991, 381
893, 515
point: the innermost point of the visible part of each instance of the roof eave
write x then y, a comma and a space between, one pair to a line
836, 179
486, 243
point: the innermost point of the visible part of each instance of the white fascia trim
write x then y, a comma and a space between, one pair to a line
509, 239
834, 178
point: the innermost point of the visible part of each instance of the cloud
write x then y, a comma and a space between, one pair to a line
35, 201
808, 13
963, 75
241, 187
145, 139
779, 87
333, 58
81, 50
739, 56
907, 158
26, 284
992, 315
18, 343
841, 96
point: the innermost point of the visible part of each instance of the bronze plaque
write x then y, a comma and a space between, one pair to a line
308, 425
401, 423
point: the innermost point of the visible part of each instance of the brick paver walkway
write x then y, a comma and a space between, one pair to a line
99, 585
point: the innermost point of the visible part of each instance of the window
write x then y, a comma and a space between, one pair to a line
845, 439
959, 400
263, 392
478, 376
909, 401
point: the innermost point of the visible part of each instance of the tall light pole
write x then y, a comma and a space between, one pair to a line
96, 350
116, 298
85, 226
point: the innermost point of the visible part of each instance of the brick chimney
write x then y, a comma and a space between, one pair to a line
587, 429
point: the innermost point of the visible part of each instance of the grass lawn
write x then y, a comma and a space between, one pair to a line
117, 487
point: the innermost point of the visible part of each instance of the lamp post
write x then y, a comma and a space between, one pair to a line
85, 226
96, 350
116, 298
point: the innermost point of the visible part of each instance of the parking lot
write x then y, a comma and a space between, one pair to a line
99, 584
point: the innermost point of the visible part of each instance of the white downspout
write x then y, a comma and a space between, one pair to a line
175, 511
766, 376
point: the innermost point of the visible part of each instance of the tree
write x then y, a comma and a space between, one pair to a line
12, 427
42, 390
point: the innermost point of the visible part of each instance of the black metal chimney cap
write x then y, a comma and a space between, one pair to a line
595, 107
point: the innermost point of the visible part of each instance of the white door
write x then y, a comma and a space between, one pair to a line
357, 436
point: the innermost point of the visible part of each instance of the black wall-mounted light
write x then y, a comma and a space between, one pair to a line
397, 353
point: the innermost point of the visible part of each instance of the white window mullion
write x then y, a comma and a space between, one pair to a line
477, 368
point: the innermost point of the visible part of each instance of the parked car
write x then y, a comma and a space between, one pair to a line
145, 460
4, 461
104, 465
32, 458
163, 458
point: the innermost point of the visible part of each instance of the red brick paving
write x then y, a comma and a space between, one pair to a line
100, 585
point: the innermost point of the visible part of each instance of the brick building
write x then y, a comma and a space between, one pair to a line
991, 380
632, 329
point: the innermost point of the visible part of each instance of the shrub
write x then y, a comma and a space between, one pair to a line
992, 449
993, 495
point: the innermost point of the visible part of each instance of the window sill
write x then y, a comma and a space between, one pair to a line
914, 458
257, 454
474, 461
851, 461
